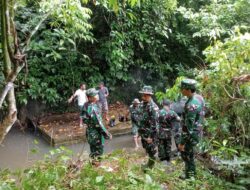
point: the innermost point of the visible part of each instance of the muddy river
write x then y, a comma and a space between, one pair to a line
16, 150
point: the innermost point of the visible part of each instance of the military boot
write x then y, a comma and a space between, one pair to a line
150, 164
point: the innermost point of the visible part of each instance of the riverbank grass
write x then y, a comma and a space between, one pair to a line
120, 169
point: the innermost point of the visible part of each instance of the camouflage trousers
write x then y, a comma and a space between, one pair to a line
176, 132
188, 158
149, 147
96, 141
164, 149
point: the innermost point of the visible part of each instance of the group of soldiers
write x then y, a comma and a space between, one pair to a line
152, 125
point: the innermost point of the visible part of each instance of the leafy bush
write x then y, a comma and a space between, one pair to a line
229, 98
119, 170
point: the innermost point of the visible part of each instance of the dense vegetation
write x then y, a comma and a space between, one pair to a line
118, 171
130, 43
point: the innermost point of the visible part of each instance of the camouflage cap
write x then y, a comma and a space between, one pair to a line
188, 84
166, 102
146, 90
136, 101
92, 92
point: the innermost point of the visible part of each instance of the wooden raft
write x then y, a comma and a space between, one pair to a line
61, 129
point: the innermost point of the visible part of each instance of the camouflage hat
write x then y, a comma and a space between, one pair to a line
166, 102
136, 101
188, 84
147, 90
91, 92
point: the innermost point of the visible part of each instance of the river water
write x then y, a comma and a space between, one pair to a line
16, 150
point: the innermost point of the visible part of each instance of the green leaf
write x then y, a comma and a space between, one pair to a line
36, 142
114, 5
148, 179
34, 151
224, 142
99, 179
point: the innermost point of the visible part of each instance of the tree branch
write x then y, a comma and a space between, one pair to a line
33, 32
7, 88
242, 78
232, 97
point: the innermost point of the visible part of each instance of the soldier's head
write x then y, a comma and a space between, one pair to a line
188, 87
136, 102
166, 104
146, 93
92, 94
82, 86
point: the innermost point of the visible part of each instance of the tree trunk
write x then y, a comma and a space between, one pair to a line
7, 88
13, 61
11, 116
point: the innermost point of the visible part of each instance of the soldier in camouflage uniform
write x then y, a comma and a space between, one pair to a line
177, 107
96, 131
189, 137
148, 124
166, 118
134, 114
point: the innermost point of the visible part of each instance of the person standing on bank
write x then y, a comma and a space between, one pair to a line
103, 94
190, 132
81, 99
166, 118
96, 131
148, 124
134, 114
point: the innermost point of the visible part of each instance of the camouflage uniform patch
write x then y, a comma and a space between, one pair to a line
148, 126
166, 119
96, 132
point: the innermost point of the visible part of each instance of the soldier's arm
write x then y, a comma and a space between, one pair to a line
176, 117
101, 125
155, 120
191, 117
190, 123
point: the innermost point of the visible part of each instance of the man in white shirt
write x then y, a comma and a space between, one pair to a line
81, 99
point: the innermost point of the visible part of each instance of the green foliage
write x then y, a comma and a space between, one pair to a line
137, 41
228, 98
228, 125
70, 16
218, 19
116, 172
52, 67
172, 93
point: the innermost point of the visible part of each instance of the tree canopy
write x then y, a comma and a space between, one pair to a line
49, 47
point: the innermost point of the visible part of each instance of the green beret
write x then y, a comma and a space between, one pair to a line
188, 84
91, 92
146, 90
